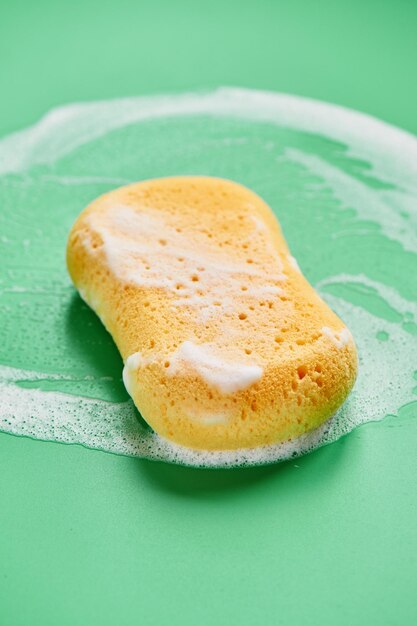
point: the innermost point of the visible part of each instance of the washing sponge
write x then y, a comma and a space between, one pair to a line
225, 343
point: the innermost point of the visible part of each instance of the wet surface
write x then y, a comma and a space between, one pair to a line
347, 208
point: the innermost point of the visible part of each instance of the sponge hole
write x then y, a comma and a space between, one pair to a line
301, 371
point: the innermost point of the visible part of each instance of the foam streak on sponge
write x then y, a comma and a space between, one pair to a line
225, 343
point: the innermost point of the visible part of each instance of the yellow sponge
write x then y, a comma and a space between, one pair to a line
225, 343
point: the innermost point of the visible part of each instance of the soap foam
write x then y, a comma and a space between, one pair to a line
113, 426
339, 338
139, 246
392, 152
212, 368
133, 363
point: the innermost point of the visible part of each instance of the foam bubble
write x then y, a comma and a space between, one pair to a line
139, 246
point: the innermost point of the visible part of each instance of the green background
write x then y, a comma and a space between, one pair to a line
92, 538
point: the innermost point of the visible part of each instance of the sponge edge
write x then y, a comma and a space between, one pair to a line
225, 343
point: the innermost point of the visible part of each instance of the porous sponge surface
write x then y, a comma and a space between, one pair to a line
225, 343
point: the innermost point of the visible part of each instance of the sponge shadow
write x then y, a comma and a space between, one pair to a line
199, 482
91, 340
311, 471
96, 349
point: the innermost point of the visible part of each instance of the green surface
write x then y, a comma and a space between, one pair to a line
92, 538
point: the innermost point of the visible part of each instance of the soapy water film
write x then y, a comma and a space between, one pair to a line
342, 184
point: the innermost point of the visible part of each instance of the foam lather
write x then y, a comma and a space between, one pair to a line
225, 343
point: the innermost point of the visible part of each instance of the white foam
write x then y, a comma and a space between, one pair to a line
379, 207
113, 427
294, 263
142, 246
214, 369
133, 363
208, 419
204, 360
84, 180
392, 152
340, 338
